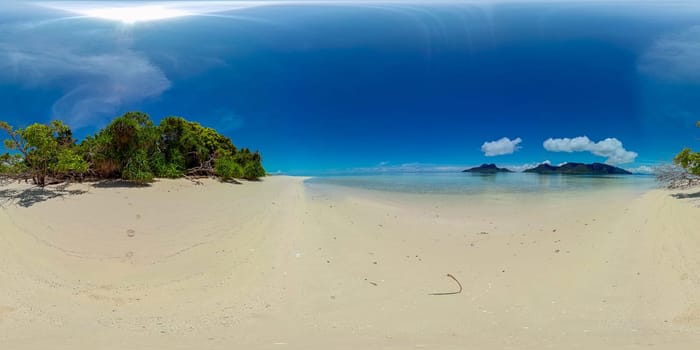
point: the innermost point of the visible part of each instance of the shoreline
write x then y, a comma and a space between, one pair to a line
275, 264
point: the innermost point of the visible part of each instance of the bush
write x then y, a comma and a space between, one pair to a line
162, 168
70, 163
253, 171
137, 169
228, 169
131, 147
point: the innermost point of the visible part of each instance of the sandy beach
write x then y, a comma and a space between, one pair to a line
278, 264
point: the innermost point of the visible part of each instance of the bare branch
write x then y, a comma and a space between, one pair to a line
675, 177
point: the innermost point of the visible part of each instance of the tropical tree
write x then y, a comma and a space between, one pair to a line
689, 160
47, 150
131, 147
124, 148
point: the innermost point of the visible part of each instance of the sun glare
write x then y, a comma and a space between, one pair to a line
133, 14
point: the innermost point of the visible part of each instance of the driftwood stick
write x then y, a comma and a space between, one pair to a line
450, 293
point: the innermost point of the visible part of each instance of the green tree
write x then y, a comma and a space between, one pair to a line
689, 160
227, 168
124, 148
47, 151
187, 145
131, 147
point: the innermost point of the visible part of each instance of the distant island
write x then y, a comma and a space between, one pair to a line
487, 169
578, 169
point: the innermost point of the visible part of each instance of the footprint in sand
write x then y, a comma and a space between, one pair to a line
130, 233
5, 310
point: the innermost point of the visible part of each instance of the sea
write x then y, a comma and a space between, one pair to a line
469, 183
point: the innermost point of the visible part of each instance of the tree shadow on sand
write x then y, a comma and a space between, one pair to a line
28, 197
694, 195
118, 184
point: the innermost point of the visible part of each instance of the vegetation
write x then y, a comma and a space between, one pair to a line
131, 148
684, 173
689, 160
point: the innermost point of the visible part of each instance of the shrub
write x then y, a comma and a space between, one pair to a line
137, 168
227, 168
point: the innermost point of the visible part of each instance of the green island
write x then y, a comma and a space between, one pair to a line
131, 147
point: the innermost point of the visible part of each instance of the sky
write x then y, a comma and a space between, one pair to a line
339, 86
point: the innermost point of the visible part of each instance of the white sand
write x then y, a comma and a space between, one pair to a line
278, 265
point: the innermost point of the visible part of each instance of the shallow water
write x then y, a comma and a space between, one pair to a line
467, 183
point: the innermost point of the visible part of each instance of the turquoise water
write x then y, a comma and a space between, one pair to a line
466, 183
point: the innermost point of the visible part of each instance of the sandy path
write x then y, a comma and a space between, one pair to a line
277, 265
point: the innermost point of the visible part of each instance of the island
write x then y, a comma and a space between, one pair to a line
487, 169
578, 169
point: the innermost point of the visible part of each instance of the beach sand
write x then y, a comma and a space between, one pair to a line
278, 264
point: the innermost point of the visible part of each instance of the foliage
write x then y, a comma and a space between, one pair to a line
251, 163
47, 150
188, 145
227, 168
13, 165
689, 160
70, 162
131, 147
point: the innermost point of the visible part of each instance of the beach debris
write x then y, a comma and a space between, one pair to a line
373, 283
555, 230
130, 233
450, 293
483, 233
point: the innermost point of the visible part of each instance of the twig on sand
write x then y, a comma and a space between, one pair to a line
194, 179
450, 293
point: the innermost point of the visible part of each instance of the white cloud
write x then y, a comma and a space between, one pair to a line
674, 57
643, 169
501, 147
611, 148
522, 167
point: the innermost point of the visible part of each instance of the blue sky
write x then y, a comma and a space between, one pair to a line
325, 86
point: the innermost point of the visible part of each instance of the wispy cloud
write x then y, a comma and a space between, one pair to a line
94, 85
501, 147
227, 120
95, 68
674, 57
611, 148
642, 169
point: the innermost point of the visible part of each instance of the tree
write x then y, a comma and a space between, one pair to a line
123, 148
227, 168
47, 150
689, 160
189, 147
131, 147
